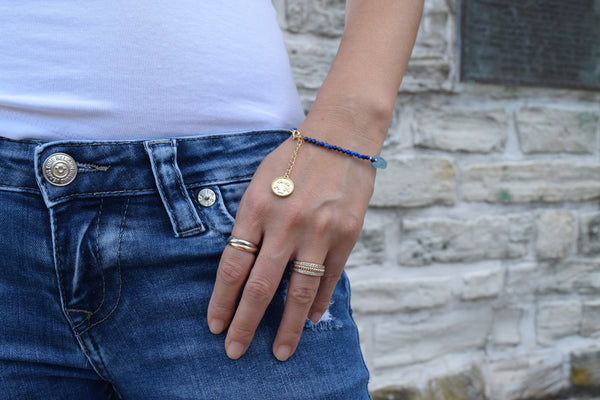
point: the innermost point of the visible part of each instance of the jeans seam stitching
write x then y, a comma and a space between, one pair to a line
105, 373
118, 271
184, 194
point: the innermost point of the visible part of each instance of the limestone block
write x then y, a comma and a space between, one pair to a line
544, 129
448, 240
310, 58
533, 376
483, 284
426, 75
432, 39
467, 385
507, 326
574, 276
401, 294
556, 319
555, 231
415, 182
414, 338
469, 130
590, 320
585, 370
540, 180
396, 393
589, 234
321, 17
523, 279
370, 248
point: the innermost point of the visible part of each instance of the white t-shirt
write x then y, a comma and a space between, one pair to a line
132, 69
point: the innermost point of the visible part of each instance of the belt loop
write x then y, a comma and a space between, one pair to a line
169, 181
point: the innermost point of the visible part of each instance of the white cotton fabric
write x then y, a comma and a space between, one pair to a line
133, 69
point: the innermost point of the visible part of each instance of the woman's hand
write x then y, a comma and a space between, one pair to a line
321, 220
318, 223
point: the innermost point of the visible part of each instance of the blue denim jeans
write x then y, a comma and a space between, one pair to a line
105, 280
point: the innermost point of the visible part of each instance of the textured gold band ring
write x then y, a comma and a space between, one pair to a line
242, 244
307, 268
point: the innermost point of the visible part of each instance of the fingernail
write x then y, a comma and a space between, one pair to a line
283, 352
216, 326
235, 350
315, 317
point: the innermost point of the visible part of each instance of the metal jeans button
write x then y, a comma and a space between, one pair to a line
59, 169
206, 197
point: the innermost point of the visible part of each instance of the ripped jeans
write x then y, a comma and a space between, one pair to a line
108, 254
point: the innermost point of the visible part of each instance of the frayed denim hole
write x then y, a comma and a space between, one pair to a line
326, 323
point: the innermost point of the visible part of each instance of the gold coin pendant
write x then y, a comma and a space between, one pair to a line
282, 186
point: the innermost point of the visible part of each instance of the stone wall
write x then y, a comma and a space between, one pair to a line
477, 273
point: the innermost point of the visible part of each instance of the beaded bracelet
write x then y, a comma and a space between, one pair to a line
284, 186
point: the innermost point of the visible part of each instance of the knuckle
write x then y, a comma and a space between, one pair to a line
231, 272
292, 333
242, 333
326, 220
221, 308
321, 304
259, 289
351, 226
303, 295
254, 204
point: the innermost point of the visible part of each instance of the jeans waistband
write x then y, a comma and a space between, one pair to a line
134, 167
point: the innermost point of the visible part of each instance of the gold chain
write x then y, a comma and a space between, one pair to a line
284, 186
296, 136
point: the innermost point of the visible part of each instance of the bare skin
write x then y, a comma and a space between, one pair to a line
321, 221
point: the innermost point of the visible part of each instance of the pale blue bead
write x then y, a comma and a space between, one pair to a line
378, 162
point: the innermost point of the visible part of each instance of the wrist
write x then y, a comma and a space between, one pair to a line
352, 123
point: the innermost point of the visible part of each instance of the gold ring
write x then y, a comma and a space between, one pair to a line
242, 244
307, 268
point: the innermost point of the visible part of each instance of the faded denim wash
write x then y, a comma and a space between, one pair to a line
105, 282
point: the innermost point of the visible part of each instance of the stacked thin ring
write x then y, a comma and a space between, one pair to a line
307, 268
242, 244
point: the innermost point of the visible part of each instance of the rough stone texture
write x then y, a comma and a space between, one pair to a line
523, 280
589, 234
415, 338
468, 385
545, 181
585, 370
483, 284
576, 276
462, 129
396, 393
370, 249
590, 319
555, 234
557, 319
446, 240
321, 17
546, 129
401, 294
415, 182
535, 376
507, 326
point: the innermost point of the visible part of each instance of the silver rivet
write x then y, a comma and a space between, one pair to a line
59, 169
206, 197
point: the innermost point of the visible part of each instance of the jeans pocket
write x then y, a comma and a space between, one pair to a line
218, 203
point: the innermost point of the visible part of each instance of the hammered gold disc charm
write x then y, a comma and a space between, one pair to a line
282, 186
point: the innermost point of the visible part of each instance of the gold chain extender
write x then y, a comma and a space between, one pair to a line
284, 186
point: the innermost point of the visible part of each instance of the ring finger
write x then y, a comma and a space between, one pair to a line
302, 290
